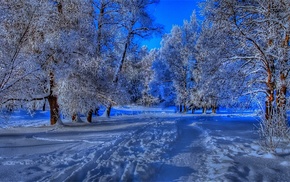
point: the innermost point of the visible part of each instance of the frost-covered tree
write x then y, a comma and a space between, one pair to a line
132, 21
261, 29
76, 30
147, 77
47, 36
87, 85
162, 84
216, 83
136, 23
15, 63
107, 18
178, 53
118, 25
172, 53
269, 19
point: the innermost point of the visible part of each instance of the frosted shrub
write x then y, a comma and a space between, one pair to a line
275, 131
148, 100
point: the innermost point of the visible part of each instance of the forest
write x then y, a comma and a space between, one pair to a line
73, 57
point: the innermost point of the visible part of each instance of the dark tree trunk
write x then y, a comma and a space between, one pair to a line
108, 111
97, 111
184, 108
89, 116
204, 110
53, 103
54, 109
214, 109
192, 111
268, 109
120, 66
74, 117
59, 7
43, 107
180, 108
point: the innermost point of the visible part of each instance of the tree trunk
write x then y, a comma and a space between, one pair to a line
107, 112
127, 43
192, 110
204, 110
43, 107
180, 108
269, 108
214, 109
270, 95
281, 99
120, 66
97, 111
74, 117
52, 100
184, 109
54, 109
281, 94
89, 116
100, 26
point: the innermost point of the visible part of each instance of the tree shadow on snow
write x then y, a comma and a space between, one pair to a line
173, 173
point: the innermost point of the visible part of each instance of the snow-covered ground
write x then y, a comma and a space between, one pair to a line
22, 118
146, 147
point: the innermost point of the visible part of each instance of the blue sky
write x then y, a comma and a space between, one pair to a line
169, 13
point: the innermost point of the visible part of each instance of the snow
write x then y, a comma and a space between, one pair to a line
23, 118
145, 147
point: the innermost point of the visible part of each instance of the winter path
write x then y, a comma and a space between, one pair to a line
141, 148
184, 160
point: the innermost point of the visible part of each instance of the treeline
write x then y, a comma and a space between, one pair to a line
78, 55
75, 55
239, 54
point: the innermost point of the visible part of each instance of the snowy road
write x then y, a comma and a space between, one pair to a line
141, 148
114, 150
183, 162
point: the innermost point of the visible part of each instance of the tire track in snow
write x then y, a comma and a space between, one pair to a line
134, 156
131, 152
101, 155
